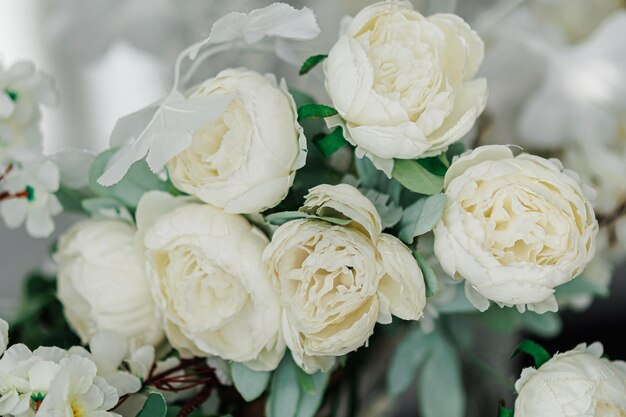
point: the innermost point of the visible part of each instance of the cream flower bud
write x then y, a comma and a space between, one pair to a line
514, 228
206, 272
102, 283
403, 83
575, 383
335, 281
246, 160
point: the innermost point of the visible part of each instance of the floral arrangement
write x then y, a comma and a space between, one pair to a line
248, 249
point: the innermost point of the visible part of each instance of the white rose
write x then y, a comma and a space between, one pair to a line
403, 83
337, 281
514, 228
577, 383
102, 283
245, 161
207, 275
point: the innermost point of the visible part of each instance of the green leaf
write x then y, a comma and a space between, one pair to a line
456, 149
421, 217
311, 62
129, 190
406, 361
283, 217
538, 352
505, 412
581, 286
155, 406
310, 402
284, 398
430, 279
12, 94
440, 385
315, 111
416, 178
331, 143
249, 383
545, 325
437, 165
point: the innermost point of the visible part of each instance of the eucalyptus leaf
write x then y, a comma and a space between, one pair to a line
310, 402
69, 199
501, 319
155, 406
390, 212
311, 63
440, 385
315, 111
306, 382
284, 397
581, 286
545, 325
301, 98
129, 189
458, 304
248, 382
406, 361
416, 178
106, 207
430, 279
421, 217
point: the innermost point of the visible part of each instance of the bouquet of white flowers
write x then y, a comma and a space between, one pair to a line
248, 248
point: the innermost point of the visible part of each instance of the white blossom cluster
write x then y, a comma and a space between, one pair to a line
28, 180
53, 382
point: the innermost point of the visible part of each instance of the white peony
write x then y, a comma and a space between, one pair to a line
207, 276
514, 228
577, 383
337, 281
246, 160
403, 83
102, 283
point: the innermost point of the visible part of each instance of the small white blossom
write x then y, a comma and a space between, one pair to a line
22, 92
36, 182
76, 390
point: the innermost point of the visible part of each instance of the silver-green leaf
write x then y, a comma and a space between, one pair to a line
248, 382
421, 217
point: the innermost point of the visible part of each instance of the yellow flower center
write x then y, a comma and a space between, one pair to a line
77, 410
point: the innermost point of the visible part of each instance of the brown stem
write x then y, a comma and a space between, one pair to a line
5, 195
6, 172
196, 401
609, 219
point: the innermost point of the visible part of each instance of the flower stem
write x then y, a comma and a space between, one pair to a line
6, 172
196, 401
5, 195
